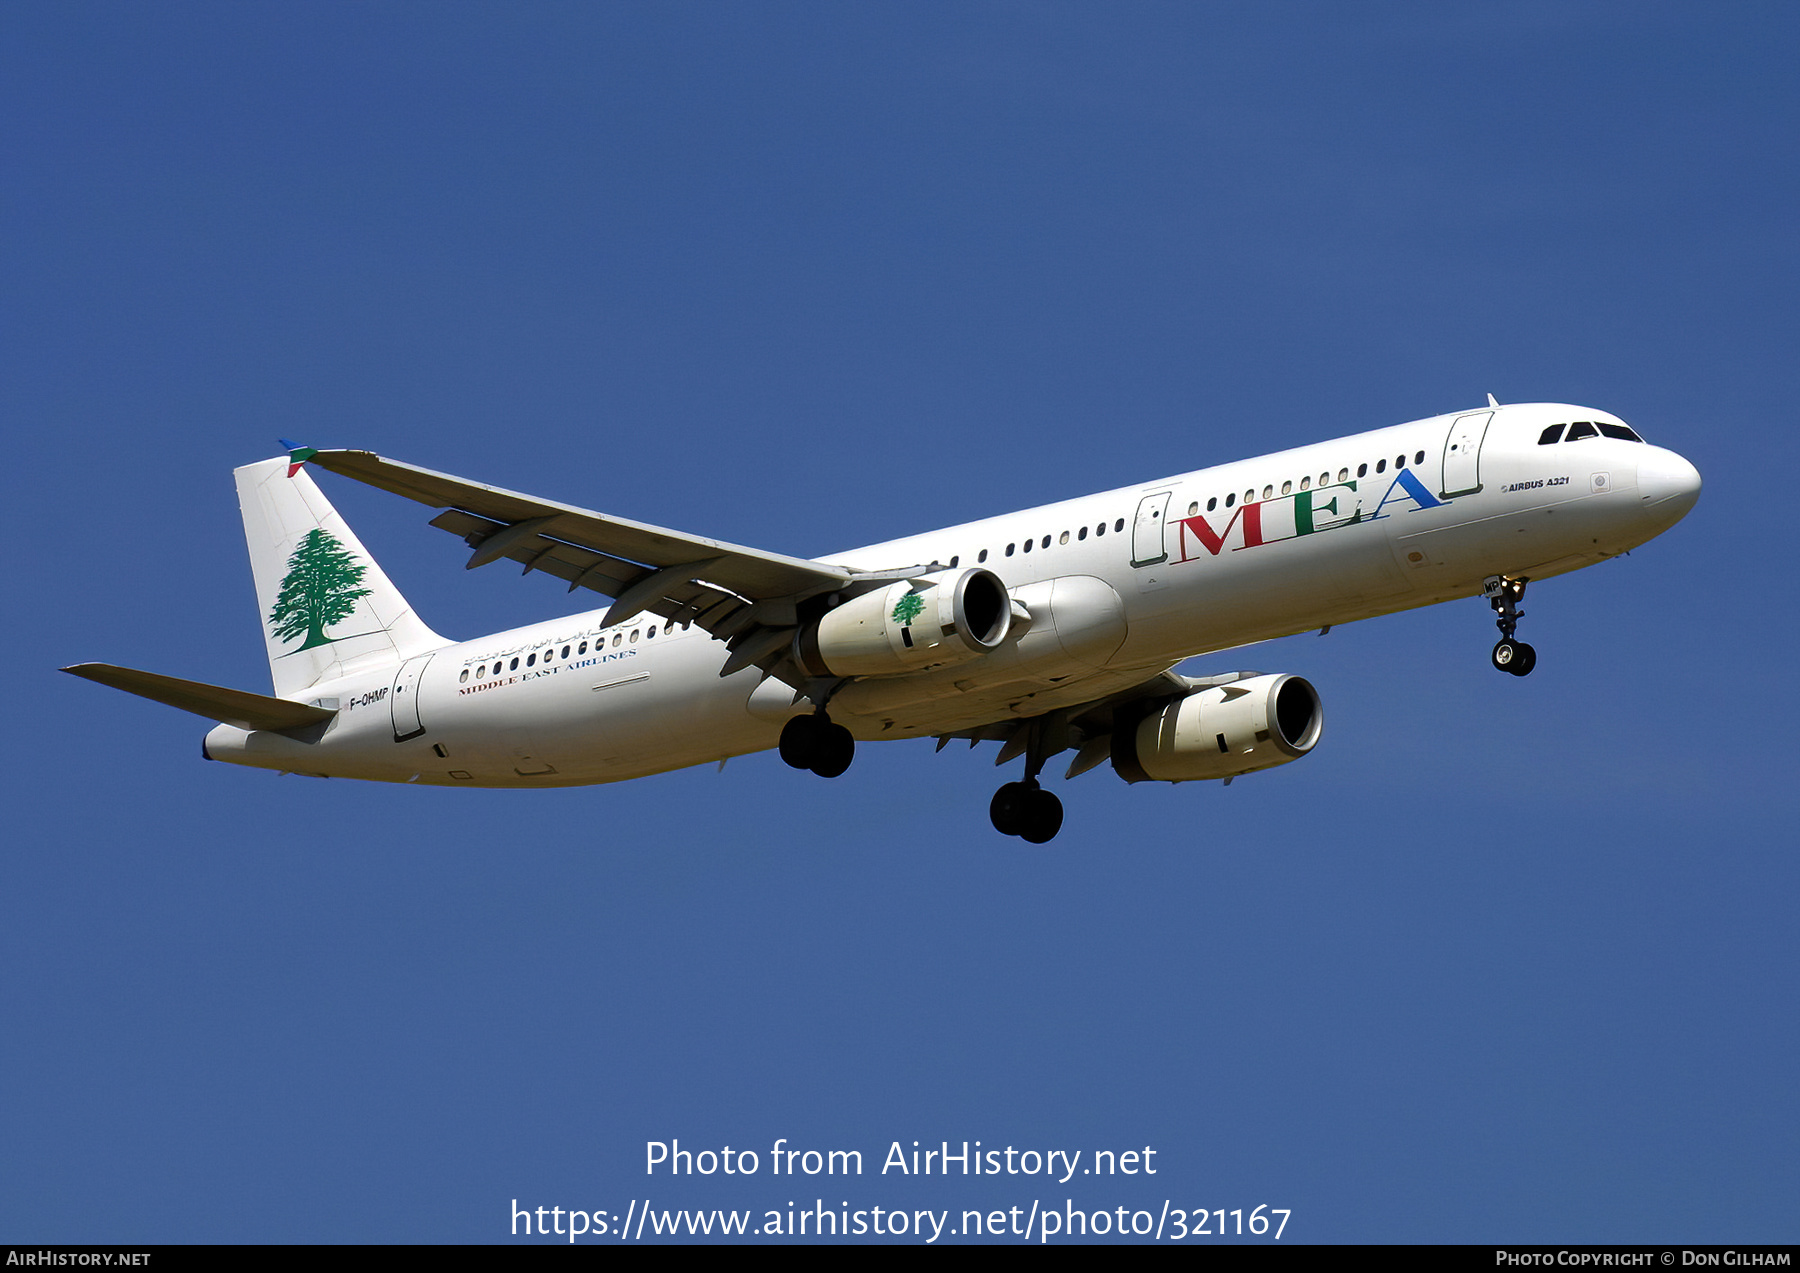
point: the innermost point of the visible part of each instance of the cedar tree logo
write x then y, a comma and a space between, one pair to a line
910, 607
318, 591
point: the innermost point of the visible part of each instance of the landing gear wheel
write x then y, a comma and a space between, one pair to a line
1043, 818
1007, 810
800, 740
1026, 810
1515, 657
833, 751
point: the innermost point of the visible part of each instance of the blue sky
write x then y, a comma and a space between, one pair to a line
1502, 960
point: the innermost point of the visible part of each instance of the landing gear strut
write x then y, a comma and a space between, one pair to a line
813, 742
1504, 595
1023, 808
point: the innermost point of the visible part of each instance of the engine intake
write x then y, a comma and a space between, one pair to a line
909, 626
1221, 731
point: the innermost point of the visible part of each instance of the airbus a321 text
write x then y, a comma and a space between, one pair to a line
1052, 630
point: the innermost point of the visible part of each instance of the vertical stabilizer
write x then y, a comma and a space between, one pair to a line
327, 608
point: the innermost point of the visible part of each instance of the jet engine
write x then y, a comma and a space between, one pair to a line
909, 626
1220, 731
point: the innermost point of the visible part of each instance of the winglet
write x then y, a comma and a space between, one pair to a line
297, 455
1493, 401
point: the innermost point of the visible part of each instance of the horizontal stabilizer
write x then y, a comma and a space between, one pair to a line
231, 707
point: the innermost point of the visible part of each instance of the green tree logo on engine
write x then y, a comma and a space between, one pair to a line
318, 591
911, 606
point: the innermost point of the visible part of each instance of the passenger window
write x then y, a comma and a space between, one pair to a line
1419, 458
1194, 509
481, 671
1046, 542
1212, 503
1064, 538
1306, 483
1249, 495
1268, 492
530, 660
1618, 431
1231, 499
1009, 549
1120, 524
515, 665
634, 636
1083, 534
1381, 466
1362, 470
1581, 429
582, 648
1552, 435
1344, 475
982, 555
463, 677
650, 632
1287, 488
1028, 544
954, 560
1100, 530
1400, 463
617, 638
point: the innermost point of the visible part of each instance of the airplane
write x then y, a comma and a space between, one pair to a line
1054, 629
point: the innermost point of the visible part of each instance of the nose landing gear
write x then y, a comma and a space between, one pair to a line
1504, 595
814, 742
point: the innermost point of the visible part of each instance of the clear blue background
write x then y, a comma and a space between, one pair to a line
1502, 960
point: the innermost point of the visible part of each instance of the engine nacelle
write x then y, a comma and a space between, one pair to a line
1221, 731
909, 626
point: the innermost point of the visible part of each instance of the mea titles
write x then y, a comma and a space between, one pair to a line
969, 1161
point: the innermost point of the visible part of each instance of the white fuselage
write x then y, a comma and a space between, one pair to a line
1123, 583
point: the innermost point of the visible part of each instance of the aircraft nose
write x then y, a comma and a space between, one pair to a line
1667, 482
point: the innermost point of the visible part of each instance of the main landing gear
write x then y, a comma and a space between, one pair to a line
813, 742
1023, 808
1504, 595
1026, 810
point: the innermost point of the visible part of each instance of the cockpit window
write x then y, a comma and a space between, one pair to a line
1552, 434
1618, 431
1581, 429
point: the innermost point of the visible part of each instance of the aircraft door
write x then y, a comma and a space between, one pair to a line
405, 699
1147, 545
1462, 454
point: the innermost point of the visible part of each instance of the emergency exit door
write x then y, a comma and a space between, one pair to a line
1462, 454
405, 699
1148, 546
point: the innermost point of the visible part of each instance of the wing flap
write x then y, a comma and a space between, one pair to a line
679, 600
215, 702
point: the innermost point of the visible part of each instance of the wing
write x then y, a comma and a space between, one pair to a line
744, 595
1085, 728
